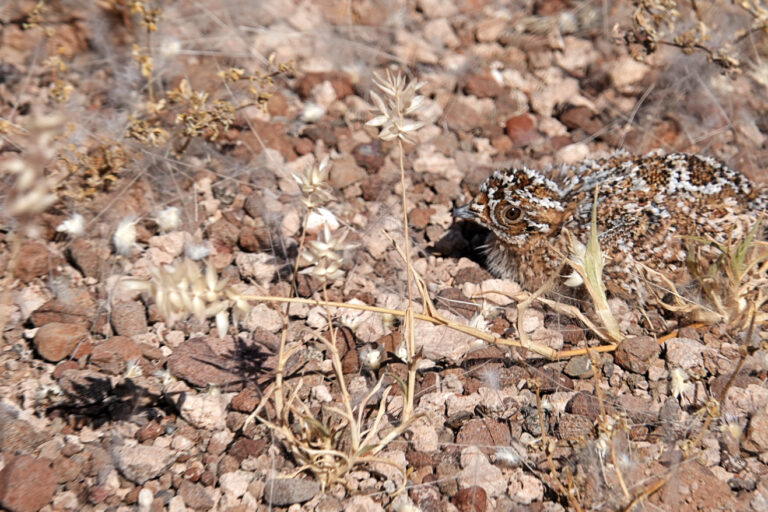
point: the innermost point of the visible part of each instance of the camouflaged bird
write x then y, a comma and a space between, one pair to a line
646, 206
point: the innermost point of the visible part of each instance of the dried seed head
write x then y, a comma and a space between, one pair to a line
678, 382
325, 255
182, 290
313, 183
400, 102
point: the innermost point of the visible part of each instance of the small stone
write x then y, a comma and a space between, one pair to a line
372, 187
254, 238
627, 71
271, 135
572, 427
235, 483
369, 156
579, 367
463, 118
322, 131
484, 432
521, 130
203, 410
471, 499
27, 484
245, 447
303, 146
424, 437
345, 172
17, 435
149, 432
280, 492
56, 340
525, 488
584, 404
490, 29
246, 400
98, 494
71, 306
85, 387
483, 86
89, 257
129, 318
685, 354
64, 366
418, 218
581, 118
33, 260
141, 462
67, 469
637, 353
195, 496
112, 355
195, 362
223, 233
756, 439
477, 470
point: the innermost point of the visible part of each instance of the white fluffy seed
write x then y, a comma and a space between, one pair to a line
168, 219
73, 226
125, 236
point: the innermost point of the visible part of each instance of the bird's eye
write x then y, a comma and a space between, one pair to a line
511, 214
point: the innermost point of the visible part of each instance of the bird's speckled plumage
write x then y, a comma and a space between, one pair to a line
646, 206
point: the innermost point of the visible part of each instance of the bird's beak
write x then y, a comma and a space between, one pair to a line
464, 212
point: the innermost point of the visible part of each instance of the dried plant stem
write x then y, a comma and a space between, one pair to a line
436, 320
337, 368
295, 275
409, 339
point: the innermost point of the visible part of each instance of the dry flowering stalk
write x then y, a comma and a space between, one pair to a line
401, 102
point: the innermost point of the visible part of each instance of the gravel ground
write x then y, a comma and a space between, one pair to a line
107, 404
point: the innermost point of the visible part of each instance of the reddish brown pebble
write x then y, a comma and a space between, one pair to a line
471, 499
419, 217
149, 432
34, 260
483, 86
55, 341
637, 353
112, 355
584, 404
71, 306
27, 484
521, 129
246, 400
369, 156
581, 118
89, 257
572, 427
62, 367
303, 146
